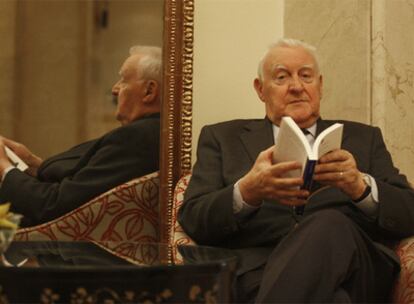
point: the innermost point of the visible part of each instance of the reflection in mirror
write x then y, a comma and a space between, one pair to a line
60, 56
59, 62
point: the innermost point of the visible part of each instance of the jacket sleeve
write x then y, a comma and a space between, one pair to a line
120, 156
207, 212
396, 197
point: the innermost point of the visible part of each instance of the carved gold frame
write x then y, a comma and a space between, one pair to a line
176, 121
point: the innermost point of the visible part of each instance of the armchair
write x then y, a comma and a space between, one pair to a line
127, 212
404, 287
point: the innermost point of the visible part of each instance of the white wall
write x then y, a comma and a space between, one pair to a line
230, 37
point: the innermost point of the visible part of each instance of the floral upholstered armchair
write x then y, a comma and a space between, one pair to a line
404, 287
126, 212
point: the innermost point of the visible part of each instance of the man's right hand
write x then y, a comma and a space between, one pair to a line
25, 154
265, 181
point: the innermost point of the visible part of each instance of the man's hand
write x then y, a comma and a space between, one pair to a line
265, 181
24, 153
338, 168
4, 160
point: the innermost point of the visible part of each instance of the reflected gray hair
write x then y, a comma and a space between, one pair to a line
288, 42
150, 64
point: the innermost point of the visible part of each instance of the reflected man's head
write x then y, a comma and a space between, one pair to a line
289, 82
138, 90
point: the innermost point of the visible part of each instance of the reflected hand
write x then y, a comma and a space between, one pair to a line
32, 160
4, 160
338, 169
265, 181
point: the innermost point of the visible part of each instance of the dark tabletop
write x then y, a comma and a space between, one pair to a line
110, 254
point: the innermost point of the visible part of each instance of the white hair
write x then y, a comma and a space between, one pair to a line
150, 64
288, 42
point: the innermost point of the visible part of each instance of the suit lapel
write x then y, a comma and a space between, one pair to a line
257, 136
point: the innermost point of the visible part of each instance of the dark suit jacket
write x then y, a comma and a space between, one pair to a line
227, 151
68, 180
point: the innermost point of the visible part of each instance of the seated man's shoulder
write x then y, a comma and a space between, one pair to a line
145, 122
142, 124
233, 125
143, 128
353, 125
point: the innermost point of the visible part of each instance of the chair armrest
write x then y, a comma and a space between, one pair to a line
404, 287
177, 234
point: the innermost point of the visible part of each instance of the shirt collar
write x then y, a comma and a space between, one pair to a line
311, 129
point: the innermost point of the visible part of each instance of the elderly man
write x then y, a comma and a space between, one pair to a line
237, 198
53, 187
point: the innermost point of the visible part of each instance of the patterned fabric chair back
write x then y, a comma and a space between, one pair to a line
127, 212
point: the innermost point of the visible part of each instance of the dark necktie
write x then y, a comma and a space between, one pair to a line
299, 209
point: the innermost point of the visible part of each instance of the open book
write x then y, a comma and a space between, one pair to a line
15, 160
292, 145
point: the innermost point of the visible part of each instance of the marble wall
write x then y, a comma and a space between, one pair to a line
341, 32
49, 97
366, 52
7, 66
393, 78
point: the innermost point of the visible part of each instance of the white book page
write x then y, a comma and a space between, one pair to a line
291, 145
330, 139
17, 161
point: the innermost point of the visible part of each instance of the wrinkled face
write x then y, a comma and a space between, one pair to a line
130, 91
291, 86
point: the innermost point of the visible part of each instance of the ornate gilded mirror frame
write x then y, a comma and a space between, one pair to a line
176, 121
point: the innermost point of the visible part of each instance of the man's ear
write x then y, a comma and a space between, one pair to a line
320, 86
258, 86
151, 91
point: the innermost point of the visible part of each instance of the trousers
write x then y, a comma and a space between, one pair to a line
327, 258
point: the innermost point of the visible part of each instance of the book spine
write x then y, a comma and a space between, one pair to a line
307, 182
308, 174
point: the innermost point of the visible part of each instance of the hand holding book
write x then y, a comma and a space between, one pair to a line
337, 168
292, 145
278, 171
20, 156
266, 181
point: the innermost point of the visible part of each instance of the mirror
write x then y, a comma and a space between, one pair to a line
60, 59
59, 63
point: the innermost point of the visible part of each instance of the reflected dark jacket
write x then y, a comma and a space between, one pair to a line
69, 179
227, 151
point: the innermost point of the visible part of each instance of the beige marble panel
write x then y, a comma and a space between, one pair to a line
50, 74
341, 32
7, 66
393, 78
